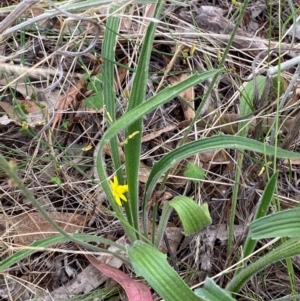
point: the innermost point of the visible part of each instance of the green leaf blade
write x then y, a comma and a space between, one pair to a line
53, 240
205, 144
261, 211
194, 172
280, 224
212, 292
193, 217
152, 265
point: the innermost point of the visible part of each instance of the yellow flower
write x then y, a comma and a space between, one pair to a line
118, 191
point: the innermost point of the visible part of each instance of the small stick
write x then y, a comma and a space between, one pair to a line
16, 13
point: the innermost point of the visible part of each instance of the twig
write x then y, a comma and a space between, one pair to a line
16, 13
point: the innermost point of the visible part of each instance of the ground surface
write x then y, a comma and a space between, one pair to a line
52, 136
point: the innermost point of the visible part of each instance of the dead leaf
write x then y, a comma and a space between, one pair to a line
250, 16
188, 96
156, 134
125, 21
292, 161
86, 281
121, 75
136, 291
8, 109
174, 235
33, 118
26, 228
4, 120
30, 106
65, 101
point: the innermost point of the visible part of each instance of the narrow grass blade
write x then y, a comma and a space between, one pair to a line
45, 243
261, 211
137, 97
280, 224
263, 205
152, 265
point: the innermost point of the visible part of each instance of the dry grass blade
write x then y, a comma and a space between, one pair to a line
16, 13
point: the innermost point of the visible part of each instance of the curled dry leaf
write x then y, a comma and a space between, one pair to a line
155, 134
65, 101
136, 291
34, 115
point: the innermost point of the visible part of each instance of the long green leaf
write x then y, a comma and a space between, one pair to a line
288, 298
280, 224
53, 240
152, 265
137, 97
109, 96
246, 107
216, 142
160, 98
285, 250
261, 211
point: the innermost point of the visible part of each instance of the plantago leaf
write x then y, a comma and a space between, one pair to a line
280, 224
246, 104
212, 292
193, 217
215, 142
287, 249
152, 265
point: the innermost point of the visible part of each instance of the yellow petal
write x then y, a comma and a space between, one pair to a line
122, 189
118, 201
123, 197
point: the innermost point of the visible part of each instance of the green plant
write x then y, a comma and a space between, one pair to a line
143, 251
